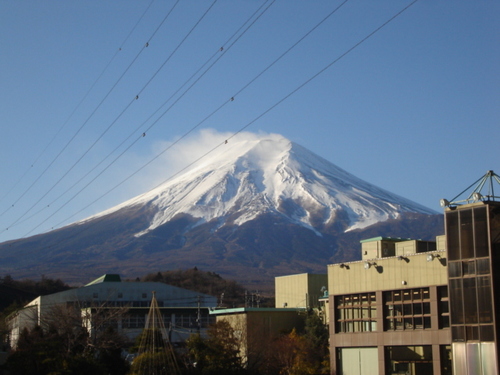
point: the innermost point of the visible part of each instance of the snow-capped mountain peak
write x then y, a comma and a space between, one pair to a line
271, 174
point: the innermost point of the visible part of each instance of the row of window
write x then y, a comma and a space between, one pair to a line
184, 321
402, 310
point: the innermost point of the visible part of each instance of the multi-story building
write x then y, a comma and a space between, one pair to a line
473, 237
418, 307
389, 314
125, 306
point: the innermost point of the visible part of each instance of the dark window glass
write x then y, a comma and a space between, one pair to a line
480, 232
458, 333
484, 299
469, 267
417, 308
486, 333
452, 239
466, 235
445, 355
455, 269
407, 309
444, 321
427, 308
406, 295
442, 291
483, 266
456, 303
472, 332
443, 307
470, 305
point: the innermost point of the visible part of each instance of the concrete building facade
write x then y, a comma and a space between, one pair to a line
389, 315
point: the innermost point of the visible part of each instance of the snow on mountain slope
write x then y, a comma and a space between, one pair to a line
245, 178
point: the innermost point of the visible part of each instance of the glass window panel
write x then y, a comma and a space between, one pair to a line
480, 232
427, 322
459, 358
406, 295
390, 325
444, 321
452, 239
417, 294
397, 296
425, 293
419, 322
469, 267
417, 309
466, 235
486, 333
443, 307
445, 355
388, 296
455, 269
472, 332
473, 358
408, 323
443, 291
456, 302
399, 324
488, 351
470, 307
485, 305
407, 309
457, 333
427, 308
483, 266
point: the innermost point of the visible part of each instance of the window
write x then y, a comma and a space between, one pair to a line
356, 313
407, 309
411, 360
443, 307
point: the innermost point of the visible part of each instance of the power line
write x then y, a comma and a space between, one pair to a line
143, 133
73, 112
329, 65
85, 123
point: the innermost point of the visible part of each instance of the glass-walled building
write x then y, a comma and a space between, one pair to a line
473, 241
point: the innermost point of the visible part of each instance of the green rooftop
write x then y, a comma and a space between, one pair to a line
394, 239
105, 279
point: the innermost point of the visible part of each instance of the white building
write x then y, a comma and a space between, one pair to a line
127, 303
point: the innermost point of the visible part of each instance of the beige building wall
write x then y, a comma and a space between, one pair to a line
300, 291
409, 271
256, 329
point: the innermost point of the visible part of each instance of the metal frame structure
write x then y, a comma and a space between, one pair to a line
476, 195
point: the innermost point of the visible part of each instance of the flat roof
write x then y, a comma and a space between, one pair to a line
239, 310
394, 239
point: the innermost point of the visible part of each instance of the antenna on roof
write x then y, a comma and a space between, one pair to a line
483, 185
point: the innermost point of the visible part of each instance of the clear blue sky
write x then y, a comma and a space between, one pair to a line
413, 109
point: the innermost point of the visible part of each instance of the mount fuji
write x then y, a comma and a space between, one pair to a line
255, 208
